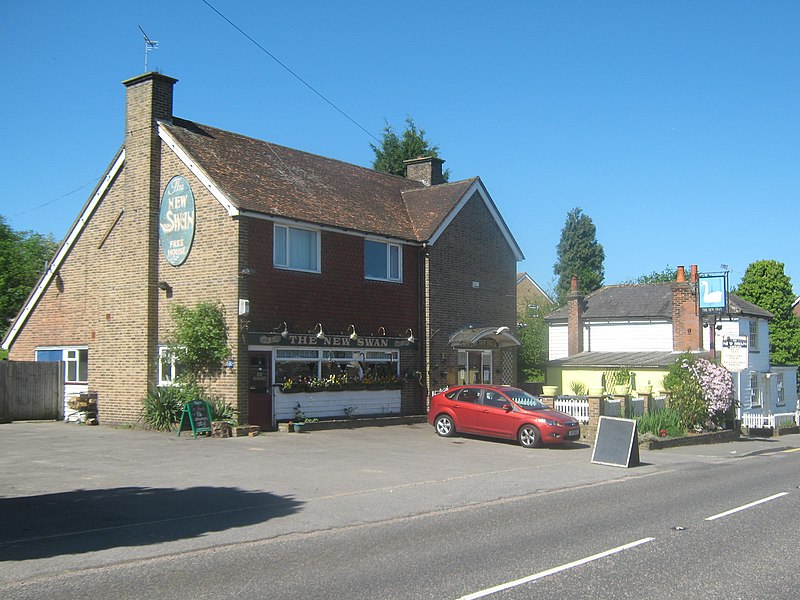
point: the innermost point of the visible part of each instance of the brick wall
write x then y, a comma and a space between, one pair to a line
336, 297
471, 249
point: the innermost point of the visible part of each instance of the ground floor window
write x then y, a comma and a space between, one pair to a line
755, 391
168, 368
296, 363
75, 359
474, 366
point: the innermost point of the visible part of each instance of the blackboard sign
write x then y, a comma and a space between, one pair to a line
617, 443
197, 414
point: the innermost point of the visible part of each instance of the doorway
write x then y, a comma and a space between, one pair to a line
259, 402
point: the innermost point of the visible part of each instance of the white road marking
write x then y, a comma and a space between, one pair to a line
746, 506
577, 563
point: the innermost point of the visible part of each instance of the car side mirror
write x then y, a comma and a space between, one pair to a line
507, 407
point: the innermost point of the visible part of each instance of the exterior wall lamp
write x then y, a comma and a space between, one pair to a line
284, 331
354, 335
163, 285
411, 337
320, 333
381, 331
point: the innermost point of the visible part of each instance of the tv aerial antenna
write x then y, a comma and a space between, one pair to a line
149, 45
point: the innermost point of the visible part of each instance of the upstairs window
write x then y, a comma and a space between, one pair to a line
382, 261
296, 249
753, 336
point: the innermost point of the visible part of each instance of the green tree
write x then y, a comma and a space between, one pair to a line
23, 256
667, 275
766, 285
532, 331
579, 253
394, 149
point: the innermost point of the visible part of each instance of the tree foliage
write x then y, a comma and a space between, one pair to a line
667, 275
23, 256
394, 149
532, 331
579, 253
200, 341
766, 285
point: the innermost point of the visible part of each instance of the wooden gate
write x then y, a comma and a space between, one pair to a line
31, 391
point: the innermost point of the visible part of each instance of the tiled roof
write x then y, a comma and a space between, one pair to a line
276, 181
644, 301
609, 360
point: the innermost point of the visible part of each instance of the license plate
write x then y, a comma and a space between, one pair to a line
573, 433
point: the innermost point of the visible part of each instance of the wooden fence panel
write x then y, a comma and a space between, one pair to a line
31, 390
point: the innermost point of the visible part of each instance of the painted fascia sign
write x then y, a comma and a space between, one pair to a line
713, 293
176, 221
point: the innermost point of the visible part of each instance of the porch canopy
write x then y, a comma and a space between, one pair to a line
484, 337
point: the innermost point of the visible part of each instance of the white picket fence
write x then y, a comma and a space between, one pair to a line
575, 406
759, 421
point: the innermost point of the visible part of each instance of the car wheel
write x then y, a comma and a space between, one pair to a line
529, 437
444, 425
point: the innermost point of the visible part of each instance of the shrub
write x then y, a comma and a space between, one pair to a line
222, 411
578, 388
162, 408
701, 391
667, 420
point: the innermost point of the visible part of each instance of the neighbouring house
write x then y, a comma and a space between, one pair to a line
324, 269
644, 328
796, 307
531, 298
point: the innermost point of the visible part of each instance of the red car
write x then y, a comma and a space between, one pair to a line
502, 412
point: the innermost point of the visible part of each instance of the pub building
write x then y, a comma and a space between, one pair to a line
346, 292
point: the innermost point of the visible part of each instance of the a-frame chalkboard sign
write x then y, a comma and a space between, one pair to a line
617, 443
196, 414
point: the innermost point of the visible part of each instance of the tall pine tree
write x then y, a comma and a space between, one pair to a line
579, 253
395, 149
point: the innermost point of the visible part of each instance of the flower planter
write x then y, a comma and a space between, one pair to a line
549, 390
645, 389
621, 390
596, 391
297, 427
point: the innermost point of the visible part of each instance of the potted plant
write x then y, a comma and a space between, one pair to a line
549, 390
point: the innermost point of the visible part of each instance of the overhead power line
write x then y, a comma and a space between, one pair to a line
295, 75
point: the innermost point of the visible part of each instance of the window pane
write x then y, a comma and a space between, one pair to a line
83, 365
303, 249
394, 262
374, 259
49, 355
280, 246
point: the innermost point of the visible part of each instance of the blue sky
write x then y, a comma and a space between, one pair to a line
673, 125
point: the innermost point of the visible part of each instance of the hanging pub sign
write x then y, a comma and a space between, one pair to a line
713, 291
176, 221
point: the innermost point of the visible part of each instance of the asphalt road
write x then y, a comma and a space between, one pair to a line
385, 513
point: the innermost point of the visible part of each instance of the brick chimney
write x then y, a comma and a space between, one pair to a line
574, 318
687, 330
427, 169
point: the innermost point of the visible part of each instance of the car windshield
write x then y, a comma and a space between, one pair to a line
524, 399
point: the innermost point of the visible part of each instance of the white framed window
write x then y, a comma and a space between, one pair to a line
75, 359
296, 248
307, 363
474, 366
780, 400
755, 390
383, 261
753, 331
168, 367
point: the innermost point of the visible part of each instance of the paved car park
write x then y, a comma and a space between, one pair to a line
73, 496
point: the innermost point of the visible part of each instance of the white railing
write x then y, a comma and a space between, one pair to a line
759, 421
576, 407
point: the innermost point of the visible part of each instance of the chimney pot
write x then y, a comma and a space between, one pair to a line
573, 285
681, 278
693, 274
